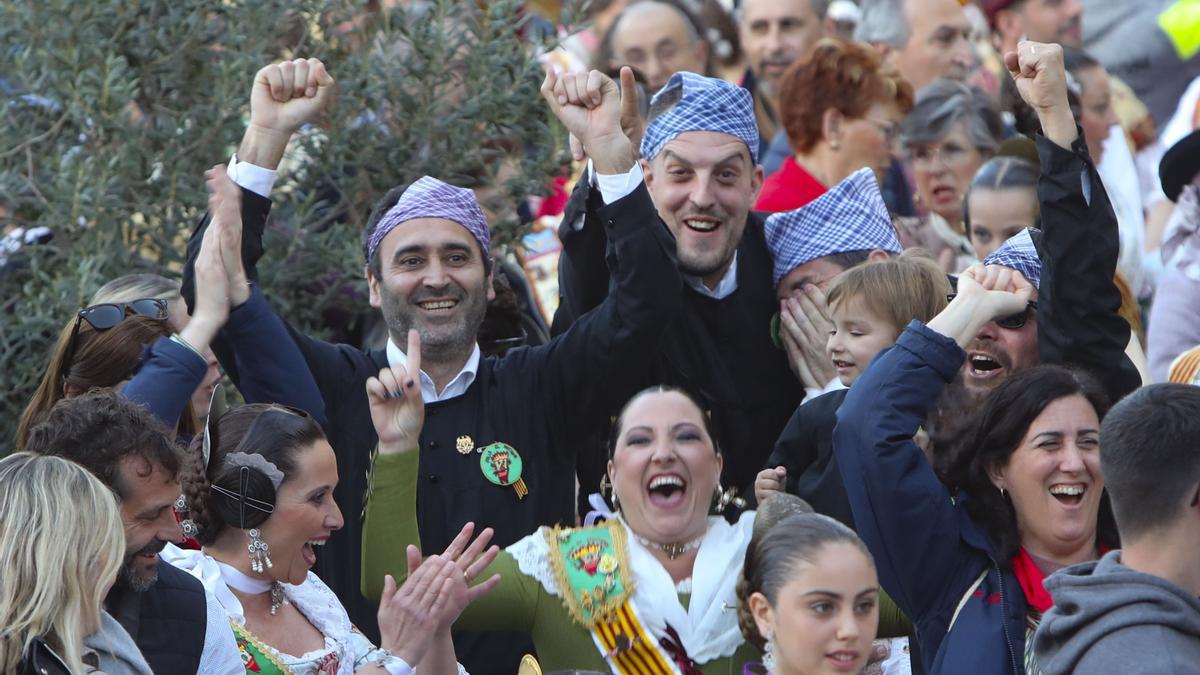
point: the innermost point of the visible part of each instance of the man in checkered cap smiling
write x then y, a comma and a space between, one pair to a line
698, 175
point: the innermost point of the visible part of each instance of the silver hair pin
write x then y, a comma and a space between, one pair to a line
256, 461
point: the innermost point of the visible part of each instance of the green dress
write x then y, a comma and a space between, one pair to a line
519, 603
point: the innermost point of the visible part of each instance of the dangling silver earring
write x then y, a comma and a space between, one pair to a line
769, 653
259, 551
190, 528
1002, 495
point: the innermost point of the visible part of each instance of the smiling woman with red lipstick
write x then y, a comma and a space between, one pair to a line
260, 501
650, 590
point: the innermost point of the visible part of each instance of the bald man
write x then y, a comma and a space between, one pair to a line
658, 40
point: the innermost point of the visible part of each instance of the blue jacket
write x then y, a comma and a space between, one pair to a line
272, 370
933, 560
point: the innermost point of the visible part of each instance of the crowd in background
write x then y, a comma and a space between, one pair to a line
870, 344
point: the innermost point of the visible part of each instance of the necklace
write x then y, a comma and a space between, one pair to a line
673, 551
235, 579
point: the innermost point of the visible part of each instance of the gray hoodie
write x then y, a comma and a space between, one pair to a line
1108, 618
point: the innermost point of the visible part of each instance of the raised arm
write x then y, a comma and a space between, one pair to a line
1078, 315
595, 365
901, 510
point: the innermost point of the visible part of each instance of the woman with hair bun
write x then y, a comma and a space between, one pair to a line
260, 501
808, 597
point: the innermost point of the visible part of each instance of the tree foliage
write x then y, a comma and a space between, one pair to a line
113, 109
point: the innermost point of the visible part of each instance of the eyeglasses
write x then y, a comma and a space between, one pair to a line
890, 130
951, 155
108, 315
1013, 322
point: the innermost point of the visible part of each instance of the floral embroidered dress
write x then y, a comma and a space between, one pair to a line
345, 651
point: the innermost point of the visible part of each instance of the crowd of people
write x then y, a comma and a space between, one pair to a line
877, 351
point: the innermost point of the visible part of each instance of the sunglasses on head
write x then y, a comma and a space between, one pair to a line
1014, 321
108, 315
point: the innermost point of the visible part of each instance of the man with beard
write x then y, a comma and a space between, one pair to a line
774, 35
428, 268
700, 165
177, 626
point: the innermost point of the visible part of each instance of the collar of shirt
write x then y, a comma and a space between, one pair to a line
723, 290
456, 387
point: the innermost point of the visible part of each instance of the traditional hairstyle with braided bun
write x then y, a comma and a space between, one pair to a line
275, 433
776, 551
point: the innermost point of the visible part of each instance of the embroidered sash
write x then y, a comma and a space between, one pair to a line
592, 572
256, 657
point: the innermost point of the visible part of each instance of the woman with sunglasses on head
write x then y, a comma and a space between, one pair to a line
134, 344
260, 500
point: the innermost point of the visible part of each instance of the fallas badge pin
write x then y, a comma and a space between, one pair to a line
501, 464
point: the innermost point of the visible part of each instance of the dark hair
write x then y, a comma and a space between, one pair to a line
272, 432
619, 421
1148, 455
102, 358
994, 434
772, 558
661, 105
1002, 173
1075, 60
849, 259
385, 204
98, 430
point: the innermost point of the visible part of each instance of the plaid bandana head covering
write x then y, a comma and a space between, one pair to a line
1019, 253
431, 198
851, 216
706, 104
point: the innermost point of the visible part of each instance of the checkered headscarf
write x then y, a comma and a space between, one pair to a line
1019, 253
431, 198
850, 216
707, 104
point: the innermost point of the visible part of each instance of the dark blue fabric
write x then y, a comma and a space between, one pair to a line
168, 375
927, 549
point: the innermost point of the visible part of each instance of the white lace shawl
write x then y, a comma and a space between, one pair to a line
708, 627
314, 600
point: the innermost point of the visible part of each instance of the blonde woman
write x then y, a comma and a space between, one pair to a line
61, 546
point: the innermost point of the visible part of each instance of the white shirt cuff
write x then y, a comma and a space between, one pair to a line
251, 177
398, 666
616, 187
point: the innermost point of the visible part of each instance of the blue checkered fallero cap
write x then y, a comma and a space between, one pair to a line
1019, 253
431, 198
850, 216
707, 104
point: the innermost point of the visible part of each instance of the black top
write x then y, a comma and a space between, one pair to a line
539, 400
168, 622
719, 350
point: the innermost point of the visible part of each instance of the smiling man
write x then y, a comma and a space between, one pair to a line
700, 166
427, 259
177, 626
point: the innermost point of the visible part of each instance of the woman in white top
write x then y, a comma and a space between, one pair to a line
260, 500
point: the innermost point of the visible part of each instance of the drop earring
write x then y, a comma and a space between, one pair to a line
259, 552
769, 653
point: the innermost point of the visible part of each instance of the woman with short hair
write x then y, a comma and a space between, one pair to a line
841, 108
952, 130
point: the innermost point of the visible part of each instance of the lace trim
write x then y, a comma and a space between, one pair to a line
533, 559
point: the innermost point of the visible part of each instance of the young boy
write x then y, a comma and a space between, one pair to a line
870, 305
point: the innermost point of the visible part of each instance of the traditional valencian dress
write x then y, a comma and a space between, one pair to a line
593, 598
345, 651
